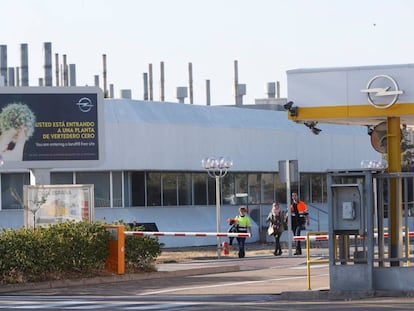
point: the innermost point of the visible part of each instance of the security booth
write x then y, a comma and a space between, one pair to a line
362, 247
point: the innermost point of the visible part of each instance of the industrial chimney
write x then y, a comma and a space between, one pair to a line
162, 97
145, 80
24, 64
57, 68
47, 54
190, 81
150, 83
208, 97
10, 77
3, 63
72, 74
104, 76
65, 71
239, 89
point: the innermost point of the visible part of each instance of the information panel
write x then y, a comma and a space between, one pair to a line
52, 204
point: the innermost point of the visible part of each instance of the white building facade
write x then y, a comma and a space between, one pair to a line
152, 173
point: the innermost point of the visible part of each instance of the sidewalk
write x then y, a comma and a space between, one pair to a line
258, 257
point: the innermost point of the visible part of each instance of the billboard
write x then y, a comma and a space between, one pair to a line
48, 127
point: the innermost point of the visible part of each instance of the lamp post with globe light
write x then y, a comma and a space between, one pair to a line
217, 168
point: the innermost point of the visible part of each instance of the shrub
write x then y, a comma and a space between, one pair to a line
140, 251
52, 252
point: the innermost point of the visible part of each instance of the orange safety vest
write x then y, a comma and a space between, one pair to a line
302, 208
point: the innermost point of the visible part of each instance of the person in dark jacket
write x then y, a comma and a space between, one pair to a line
276, 220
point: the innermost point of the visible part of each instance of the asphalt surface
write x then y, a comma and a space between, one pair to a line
281, 278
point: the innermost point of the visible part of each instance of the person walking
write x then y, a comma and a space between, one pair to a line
300, 217
276, 219
243, 226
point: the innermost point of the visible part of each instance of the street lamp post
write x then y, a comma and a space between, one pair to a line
217, 168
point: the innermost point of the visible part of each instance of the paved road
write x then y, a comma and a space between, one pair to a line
261, 283
195, 303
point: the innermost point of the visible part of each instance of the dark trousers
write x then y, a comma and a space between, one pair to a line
277, 243
296, 228
241, 242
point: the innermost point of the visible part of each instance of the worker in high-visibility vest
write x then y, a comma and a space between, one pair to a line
244, 225
300, 217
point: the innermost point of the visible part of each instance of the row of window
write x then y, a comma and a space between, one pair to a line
131, 188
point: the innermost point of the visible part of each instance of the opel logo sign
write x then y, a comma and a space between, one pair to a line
382, 88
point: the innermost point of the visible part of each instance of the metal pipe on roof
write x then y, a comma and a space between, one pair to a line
72, 74
3, 62
236, 82
145, 78
10, 78
190, 82
47, 56
65, 71
277, 89
111, 90
208, 98
162, 97
24, 64
104, 76
150, 80
57, 68
96, 78
17, 72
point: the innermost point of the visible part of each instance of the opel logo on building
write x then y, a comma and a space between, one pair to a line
382, 91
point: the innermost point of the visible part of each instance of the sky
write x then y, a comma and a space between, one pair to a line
266, 37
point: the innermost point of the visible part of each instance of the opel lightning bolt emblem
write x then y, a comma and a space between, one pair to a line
382, 86
85, 104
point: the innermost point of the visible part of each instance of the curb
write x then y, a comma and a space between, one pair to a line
325, 295
115, 278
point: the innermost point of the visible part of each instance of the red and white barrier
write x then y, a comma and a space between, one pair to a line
325, 237
312, 238
196, 234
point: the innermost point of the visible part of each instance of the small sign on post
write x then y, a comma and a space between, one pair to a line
116, 259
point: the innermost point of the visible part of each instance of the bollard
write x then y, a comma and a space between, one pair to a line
225, 247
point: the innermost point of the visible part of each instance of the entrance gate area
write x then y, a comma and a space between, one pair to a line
369, 252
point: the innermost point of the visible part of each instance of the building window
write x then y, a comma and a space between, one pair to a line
137, 188
169, 189
101, 183
184, 189
280, 189
318, 188
313, 188
154, 189
227, 189
12, 189
117, 189
268, 190
200, 188
254, 188
240, 185
61, 178
305, 188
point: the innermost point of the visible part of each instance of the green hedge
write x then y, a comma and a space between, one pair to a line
53, 251
69, 249
141, 251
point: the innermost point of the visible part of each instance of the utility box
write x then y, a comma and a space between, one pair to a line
116, 259
348, 216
